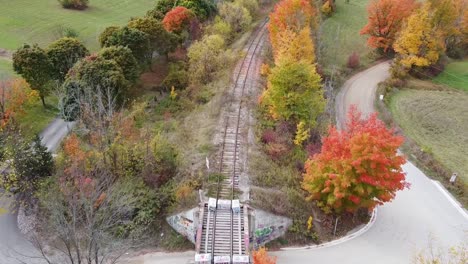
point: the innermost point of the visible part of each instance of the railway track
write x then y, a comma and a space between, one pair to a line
224, 233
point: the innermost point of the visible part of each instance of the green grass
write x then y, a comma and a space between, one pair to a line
340, 34
38, 21
36, 117
438, 122
455, 75
6, 70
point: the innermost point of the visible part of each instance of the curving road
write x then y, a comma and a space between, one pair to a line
403, 227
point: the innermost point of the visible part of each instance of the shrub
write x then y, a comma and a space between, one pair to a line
74, 4
235, 15
205, 58
326, 9
220, 27
353, 60
177, 76
250, 5
108, 31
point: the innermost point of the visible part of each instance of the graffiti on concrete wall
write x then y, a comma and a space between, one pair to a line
183, 226
266, 234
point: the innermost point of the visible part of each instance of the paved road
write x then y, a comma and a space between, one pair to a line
11, 240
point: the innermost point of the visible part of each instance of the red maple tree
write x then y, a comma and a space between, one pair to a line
385, 19
176, 19
357, 168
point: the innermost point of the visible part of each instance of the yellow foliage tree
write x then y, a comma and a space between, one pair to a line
302, 133
418, 44
295, 46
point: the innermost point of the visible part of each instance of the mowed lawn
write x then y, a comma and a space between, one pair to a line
39, 21
438, 122
340, 34
455, 75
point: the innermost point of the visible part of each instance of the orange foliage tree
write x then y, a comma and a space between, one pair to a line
385, 18
176, 19
14, 95
291, 15
260, 256
357, 168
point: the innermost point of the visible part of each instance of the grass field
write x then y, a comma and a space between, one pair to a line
6, 70
40, 20
340, 34
438, 122
36, 117
455, 75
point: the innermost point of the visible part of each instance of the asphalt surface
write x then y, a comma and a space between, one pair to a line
13, 245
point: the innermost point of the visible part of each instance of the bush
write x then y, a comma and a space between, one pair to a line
205, 58
108, 31
74, 4
222, 28
235, 15
250, 5
177, 76
353, 60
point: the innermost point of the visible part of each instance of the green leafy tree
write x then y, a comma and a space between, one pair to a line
99, 75
108, 31
31, 163
124, 58
203, 9
161, 8
294, 93
205, 57
35, 67
161, 41
63, 54
137, 41
235, 15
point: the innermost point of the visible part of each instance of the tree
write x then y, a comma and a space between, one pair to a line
418, 44
74, 4
295, 46
294, 93
385, 19
357, 168
205, 57
31, 163
161, 9
161, 40
202, 9
260, 256
235, 15
138, 42
293, 15
35, 67
97, 75
104, 36
124, 58
63, 54
14, 96
177, 19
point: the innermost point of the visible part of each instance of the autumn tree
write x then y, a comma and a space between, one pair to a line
14, 96
161, 40
385, 19
63, 54
418, 44
205, 57
294, 93
293, 15
177, 19
295, 46
33, 64
260, 256
235, 15
357, 168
